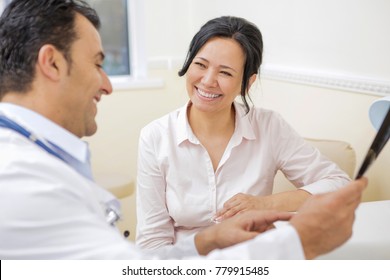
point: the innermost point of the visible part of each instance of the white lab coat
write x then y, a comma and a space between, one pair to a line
50, 211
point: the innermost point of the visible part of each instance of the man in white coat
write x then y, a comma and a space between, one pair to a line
51, 79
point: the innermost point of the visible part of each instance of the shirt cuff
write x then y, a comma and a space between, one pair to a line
184, 248
281, 243
326, 185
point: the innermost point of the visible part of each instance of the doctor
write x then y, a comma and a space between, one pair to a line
51, 79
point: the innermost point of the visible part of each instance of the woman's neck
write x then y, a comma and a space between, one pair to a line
209, 124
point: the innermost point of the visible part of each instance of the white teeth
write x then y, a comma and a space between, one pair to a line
208, 95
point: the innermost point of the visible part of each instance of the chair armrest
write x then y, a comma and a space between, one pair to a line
122, 191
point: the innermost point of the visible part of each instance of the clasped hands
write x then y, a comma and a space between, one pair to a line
283, 201
323, 222
239, 203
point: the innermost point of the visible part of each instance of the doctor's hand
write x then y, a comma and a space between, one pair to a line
325, 221
239, 228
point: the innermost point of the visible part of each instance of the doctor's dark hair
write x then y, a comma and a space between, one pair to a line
26, 26
245, 33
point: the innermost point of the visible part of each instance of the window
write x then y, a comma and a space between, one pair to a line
122, 33
115, 35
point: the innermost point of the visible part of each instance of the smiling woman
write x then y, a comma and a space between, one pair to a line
216, 157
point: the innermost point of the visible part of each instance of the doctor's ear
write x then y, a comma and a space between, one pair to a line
51, 62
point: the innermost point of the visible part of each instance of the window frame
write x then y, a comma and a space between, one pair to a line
138, 77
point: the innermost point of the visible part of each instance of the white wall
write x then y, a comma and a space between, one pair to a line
341, 36
329, 114
337, 37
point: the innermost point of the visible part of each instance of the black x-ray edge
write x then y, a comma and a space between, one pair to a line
379, 142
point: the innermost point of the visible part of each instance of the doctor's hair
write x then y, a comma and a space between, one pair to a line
26, 26
245, 33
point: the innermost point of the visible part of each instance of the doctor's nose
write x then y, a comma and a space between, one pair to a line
106, 86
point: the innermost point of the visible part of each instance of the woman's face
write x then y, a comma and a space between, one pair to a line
214, 77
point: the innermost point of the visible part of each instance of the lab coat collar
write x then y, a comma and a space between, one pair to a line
47, 129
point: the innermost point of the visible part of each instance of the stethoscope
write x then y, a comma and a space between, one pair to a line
10, 124
112, 205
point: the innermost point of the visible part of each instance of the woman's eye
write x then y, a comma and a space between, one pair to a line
226, 73
200, 64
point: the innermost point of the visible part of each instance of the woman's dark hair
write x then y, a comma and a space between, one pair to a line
243, 32
27, 25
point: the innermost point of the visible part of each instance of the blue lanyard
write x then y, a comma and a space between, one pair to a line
112, 211
10, 124
81, 167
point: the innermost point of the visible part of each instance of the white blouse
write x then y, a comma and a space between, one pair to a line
179, 193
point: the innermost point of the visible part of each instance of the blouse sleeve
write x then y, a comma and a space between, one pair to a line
303, 164
154, 225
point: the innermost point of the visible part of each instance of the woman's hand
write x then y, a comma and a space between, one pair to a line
284, 201
242, 202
